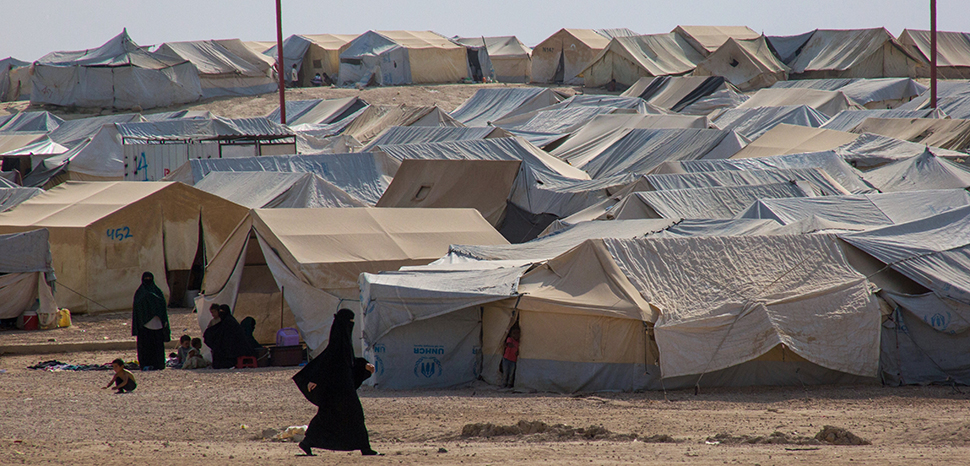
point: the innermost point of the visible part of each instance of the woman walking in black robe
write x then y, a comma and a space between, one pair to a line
330, 381
149, 323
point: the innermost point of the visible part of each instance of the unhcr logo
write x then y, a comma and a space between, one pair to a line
427, 367
429, 349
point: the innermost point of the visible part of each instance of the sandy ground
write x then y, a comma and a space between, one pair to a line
446, 96
217, 417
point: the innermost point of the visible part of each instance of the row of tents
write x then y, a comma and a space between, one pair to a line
121, 74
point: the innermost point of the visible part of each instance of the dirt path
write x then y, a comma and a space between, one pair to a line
185, 417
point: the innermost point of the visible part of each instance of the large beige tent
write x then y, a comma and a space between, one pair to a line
104, 235
323, 55
746, 63
314, 256
952, 52
707, 39
226, 67
511, 59
791, 139
854, 53
934, 132
390, 58
627, 59
563, 56
480, 184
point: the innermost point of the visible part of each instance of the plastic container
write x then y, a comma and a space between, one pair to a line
64, 318
28, 321
287, 355
288, 336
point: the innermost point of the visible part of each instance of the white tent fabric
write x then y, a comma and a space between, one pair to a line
826, 102
676, 93
707, 39
753, 122
119, 74
820, 181
226, 67
561, 57
835, 166
273, 190
390, 58
786, 47
43, 122
691, 228
555, 123
318, 111
848, 119
364, 176
396, 135
953, 98
727, 300
604, 130
873, 93
723, 202
862, 209
552, 245
492, 104
12, 197
641, 150
25, 277
42, 146
871, 150
543, 193
511, 59
922, 172
786, 139
952, 49
953, 134
627, 59
486, 149
746, 63
856, 53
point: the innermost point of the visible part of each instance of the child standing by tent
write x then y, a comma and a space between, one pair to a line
124, 381
510, 357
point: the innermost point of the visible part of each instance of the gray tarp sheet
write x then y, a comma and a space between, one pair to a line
848, 119
819, 179
832, 163
753, 122
424, 134
488, 105
702, 203
924, 171
863, 209
265, 190
641, 150
12, 197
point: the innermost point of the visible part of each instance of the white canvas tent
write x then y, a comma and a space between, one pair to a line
922, 172
275, 190
312, 257
491, 104
375, 119
561, 57
872, 93
746, 63
753, 122
680, 93
793, 139
925, 339
627, 59
226, 67
952, 52
952, 134
707, 39
119, 74
854, 53
390, 58
511, 59
13, 86
826, 102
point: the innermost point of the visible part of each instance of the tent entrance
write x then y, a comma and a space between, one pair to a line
474, 64
560, 75
184, 285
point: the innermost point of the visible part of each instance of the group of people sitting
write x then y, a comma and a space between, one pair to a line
227, 338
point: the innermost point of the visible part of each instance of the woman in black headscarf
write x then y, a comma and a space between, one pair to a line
330, 381
226, 338
149, 323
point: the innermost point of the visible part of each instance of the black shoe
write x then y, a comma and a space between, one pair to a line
306, 449
370, 452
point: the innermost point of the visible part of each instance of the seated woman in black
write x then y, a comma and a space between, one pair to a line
225, 338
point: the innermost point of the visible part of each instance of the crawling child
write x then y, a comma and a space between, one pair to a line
123, 379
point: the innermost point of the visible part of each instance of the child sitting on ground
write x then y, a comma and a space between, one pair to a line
185, 345
124, 381
195, 360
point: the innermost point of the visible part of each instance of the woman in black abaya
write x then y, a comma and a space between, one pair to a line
330, 381
149, 323
226, 338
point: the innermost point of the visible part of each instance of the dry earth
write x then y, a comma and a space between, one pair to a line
217, 417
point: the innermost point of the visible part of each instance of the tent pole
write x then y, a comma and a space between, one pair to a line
279, 61
933, 53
